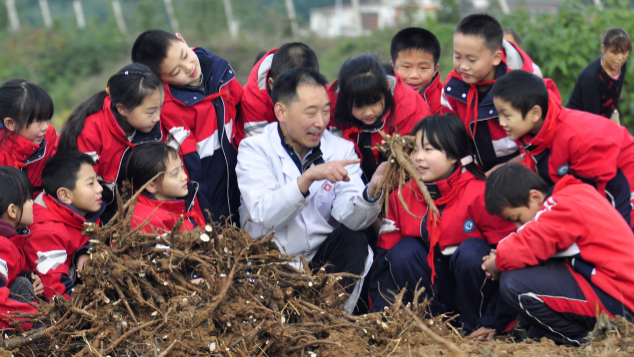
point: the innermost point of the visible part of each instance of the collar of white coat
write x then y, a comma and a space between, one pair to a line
327, 150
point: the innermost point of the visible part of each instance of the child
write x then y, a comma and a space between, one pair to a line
415, 53
256, 105
16, 207
465, 233
481, 56
201, 94
570, 260
598, 88
511, 35
365, 100
559, 141
167, 197
27, 138
111, 123
72, 196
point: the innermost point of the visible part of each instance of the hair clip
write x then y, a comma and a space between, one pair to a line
108, 90
466, 160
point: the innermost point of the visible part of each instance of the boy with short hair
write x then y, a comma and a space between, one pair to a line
256, 105
557, 141
201, 95
481, 56
570, 260
72, 196
415, 54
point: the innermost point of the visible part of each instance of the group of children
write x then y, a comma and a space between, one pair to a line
524, 186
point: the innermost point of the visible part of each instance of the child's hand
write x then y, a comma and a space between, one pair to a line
81, 261
490, 269
38, 287
197, 281
482, 333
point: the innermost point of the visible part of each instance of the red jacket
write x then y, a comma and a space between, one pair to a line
462, 218
162, 215
432, 95
12, 263
256, 104
56, 240
409, 109
493, 146
576, 221
22, 154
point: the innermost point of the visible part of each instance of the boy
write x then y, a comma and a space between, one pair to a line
201, 94
481, 56
415, 53
570, 260
256, 104
71, 197
559, 141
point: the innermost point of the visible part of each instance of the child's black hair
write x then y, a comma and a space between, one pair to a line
362, 81
128, 87
146, 161
516, 35
15, 188
24, 102
415, 38
62, 169
447, 133
292, 55
150, 48
258, 57
484, 26
285, 86
618, 38
523, 90
510, 186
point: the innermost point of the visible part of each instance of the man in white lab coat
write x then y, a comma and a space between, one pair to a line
303, 183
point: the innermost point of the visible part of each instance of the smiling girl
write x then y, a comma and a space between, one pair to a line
465, 231
598, 88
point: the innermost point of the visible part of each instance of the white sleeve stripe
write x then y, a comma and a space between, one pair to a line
50, 260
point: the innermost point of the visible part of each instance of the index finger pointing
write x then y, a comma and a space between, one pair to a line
349, 162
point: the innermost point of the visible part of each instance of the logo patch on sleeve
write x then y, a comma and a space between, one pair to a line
563, 169
468, 226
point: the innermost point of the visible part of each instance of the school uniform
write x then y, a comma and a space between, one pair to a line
432, 94
595, 91
409, 109
574, 142
489, 141
466, 233
56, 242
572, 262
160, 216
27, 156
208, 112
326, 224
12, 265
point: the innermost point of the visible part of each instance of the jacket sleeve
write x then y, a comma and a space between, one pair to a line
268, 203
89, 142
46, 253
170, 119
555, 228
448, 104
350, 208
9, 306
391, 226
419, 112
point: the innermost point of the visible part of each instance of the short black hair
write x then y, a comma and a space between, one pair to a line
510, 186
150, 48
25, 102
516, 35
523, 90
62, 169
146, 161
285, 87
485, 26
292, 55
15, 188
415, 38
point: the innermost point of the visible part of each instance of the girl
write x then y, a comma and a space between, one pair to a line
464, 233
27, 139
366, 100
111, 123
168, 196
598, 88
16, 211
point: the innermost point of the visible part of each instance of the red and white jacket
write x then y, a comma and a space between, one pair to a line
432, 95
56, 241
465, 216
576, 221
256, 104
493, 146
12, 263
27, 156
